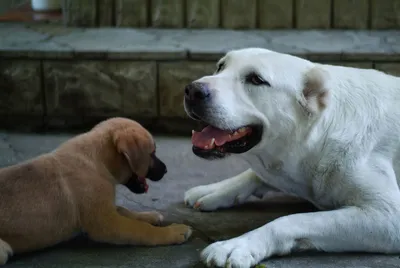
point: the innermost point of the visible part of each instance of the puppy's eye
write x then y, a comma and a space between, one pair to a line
256, 80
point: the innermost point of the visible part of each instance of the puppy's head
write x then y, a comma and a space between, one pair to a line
255, 98
138, 149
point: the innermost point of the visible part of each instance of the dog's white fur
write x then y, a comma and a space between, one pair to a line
331, 136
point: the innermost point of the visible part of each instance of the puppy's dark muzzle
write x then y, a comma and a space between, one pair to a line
157, 171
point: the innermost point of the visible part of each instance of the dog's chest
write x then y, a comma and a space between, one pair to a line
284, 175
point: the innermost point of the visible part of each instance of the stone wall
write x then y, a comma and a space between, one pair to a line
56, 77
235, 14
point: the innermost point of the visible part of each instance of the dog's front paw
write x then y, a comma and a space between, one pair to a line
234, 253
5, 252
152, 217
211, 197
178, 233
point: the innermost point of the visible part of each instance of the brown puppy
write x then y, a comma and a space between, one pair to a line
51, 198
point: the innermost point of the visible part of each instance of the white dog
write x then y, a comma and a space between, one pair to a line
327, 134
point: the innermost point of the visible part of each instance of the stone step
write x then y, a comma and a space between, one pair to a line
55, 77
235, 14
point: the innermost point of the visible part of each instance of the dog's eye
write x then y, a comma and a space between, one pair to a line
220, 67
256, 80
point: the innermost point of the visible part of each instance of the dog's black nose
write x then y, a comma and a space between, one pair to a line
197, 92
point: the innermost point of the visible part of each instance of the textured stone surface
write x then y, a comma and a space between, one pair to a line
206, 44
80, 13
202, 13
313, 14
83, 253
385, 14
184, 171
390, 68
131, 13
20, 88
239, 14
100, 88
167, 14
105, 13
350, 14
173, 77
275, 14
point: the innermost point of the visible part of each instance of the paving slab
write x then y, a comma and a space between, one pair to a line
184, 171
53, 41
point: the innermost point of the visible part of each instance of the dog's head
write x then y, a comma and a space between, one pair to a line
255, 97
138, 149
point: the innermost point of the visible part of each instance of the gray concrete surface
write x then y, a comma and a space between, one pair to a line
185, 171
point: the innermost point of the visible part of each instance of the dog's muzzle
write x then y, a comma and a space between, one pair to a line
155, 173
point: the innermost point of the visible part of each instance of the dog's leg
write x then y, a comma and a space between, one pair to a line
5, 252
152, 217
347, 229
225, 193
368, 222
107, 225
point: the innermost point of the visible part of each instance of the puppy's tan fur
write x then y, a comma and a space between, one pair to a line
50, 198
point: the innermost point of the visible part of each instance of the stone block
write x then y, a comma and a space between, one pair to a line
80, 13
105, 13
202, 13
167, 14
131, 13
274, 14
390, 68
95, 88
313, 14
239, 14
350, 14
385, 14
173, 77
20, 88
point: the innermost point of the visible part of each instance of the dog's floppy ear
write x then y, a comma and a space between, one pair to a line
314, 96
133, 146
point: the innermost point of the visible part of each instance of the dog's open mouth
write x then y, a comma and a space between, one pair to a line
213, 142
137, 185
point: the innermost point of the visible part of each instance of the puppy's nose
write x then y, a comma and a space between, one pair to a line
197, 92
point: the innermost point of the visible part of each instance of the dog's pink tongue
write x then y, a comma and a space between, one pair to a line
210, 137
144, 182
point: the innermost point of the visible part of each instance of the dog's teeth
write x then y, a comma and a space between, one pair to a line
206, 147
212, 142
243, 129
192, 131
235, 133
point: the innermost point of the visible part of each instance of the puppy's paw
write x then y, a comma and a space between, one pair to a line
5, 252
211, 197
179, 233
232, 253
152, 217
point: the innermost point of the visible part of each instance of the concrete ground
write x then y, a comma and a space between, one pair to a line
185, 171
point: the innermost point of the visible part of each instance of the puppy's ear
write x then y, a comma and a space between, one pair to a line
132, 145
314, 98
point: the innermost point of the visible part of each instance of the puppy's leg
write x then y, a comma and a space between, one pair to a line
226, 193
107, 225
152, 217
5, 252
